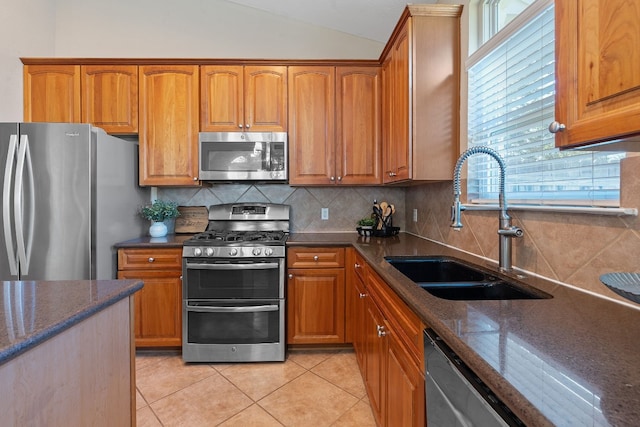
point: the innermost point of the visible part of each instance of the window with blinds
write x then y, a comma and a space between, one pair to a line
511, 103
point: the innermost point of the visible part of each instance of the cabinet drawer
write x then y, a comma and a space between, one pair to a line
144, 258
359, 266
315, 257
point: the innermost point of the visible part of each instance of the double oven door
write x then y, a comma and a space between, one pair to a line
233, 310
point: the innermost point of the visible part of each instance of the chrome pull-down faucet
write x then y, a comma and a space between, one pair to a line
505, 230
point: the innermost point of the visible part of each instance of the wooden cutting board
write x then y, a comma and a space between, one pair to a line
192, 219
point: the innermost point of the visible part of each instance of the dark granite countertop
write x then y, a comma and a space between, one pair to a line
34, 311
170, 241
573, 359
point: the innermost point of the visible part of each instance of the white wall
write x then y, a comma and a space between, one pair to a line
27, 30
194, 29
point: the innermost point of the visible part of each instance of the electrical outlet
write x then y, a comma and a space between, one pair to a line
324, 213
415, 215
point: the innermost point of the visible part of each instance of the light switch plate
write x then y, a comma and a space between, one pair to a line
324, 213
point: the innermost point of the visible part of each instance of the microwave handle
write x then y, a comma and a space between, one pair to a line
241, 309
255, 266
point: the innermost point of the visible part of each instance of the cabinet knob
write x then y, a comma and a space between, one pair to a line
362, 295
392, 174
381, 331
316, 258
339, 178
195, 178
290, 276
556, 127
151, 259
356, 265
333, 178
247, 126
240, 125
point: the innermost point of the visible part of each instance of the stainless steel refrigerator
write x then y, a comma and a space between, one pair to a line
69, 192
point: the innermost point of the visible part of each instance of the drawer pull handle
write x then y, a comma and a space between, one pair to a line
151, 259
316, 258
381, 331
356, 265
362, 295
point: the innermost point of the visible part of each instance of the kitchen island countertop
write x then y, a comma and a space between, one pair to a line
569, 360
35, 311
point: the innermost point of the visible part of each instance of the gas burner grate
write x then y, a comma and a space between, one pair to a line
220, 236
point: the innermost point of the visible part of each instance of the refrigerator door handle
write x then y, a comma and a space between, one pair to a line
6, 206
24, 159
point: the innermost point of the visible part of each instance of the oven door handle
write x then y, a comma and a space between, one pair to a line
241, 309
254, 266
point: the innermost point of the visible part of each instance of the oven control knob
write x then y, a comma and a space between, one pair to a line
209, 252
233, 252
257, 251
268, 251
197, 251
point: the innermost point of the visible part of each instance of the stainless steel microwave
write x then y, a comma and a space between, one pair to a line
243, 156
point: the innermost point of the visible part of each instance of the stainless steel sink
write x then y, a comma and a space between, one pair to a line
449, 279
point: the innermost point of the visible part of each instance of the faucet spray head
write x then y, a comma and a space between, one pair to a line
456, 222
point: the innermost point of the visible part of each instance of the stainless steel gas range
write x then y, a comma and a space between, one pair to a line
233, 285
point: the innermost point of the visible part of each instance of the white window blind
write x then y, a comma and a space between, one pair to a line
511, 103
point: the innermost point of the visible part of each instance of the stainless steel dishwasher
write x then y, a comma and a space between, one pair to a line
455, 395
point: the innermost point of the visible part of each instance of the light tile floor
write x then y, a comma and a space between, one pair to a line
311, 388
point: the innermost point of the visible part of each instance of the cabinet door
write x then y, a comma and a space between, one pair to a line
51, 93
388, 153
375, 366
357, 319
405, 404
169, 125
265, 98
158, 308
358, 125
400, 143
311, 125
315, 306
110, 97
222, 102
597, 78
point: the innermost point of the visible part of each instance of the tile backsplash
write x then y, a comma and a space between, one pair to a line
346, 204
574, 249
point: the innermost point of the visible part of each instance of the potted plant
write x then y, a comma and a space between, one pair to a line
365, 226
157, 212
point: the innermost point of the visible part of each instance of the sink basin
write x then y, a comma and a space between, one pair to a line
449, 279
498, 290
435, 269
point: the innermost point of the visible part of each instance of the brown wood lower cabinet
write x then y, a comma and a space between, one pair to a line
315, 295
158, 305
387, 338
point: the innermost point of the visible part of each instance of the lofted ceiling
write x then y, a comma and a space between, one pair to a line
370, 19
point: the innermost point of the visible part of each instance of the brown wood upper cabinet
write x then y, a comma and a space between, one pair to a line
169, 101
334, 125
51, 93
597, 78
420, 107
105, 96
110, 97
250, 98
